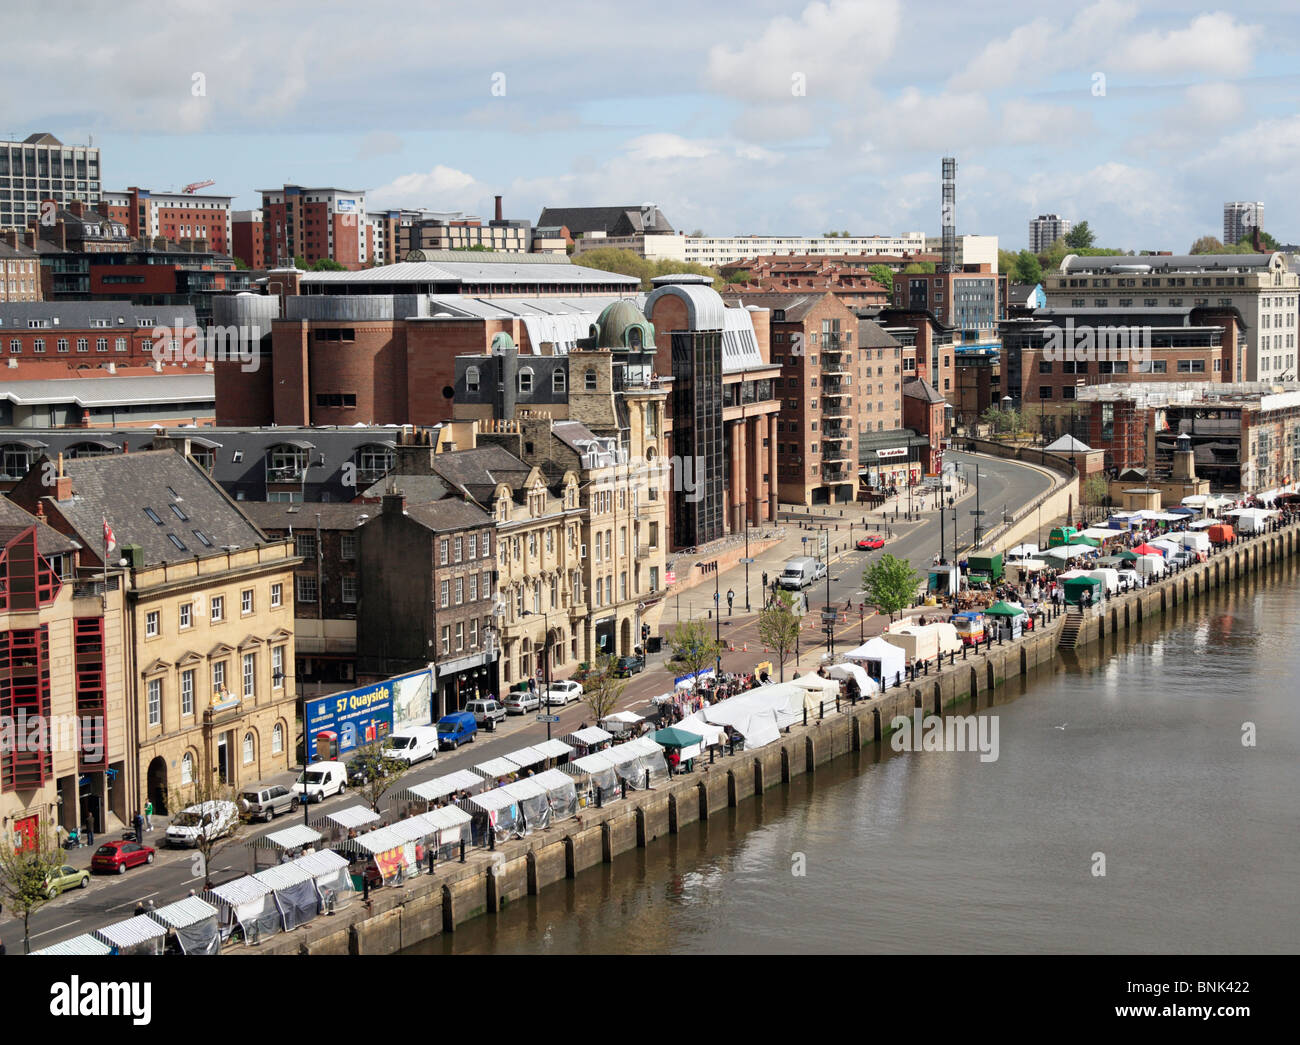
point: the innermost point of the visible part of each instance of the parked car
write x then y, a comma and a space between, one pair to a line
365, 768
65, 878
268, 802
116, 857
320, 780
870, 544
212, 819
522, 700
629, 666
487, 713
455, 728
565, 692
412, 745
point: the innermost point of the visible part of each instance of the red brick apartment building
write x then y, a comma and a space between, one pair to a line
314, 224
175, 216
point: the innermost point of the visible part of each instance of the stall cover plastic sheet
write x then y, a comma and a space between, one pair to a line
866, 684
194, 921
453, 825
533, 804
138, 935
493, 811
246, 903
525, 757
560, 792
595, 771
636, 757
883, 659
712, 734
329, 872
295, 893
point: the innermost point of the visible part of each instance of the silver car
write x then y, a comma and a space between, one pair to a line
522, 700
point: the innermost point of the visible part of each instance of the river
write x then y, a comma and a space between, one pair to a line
1132, 750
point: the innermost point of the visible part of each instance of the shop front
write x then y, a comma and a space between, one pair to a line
890, 462
465, 679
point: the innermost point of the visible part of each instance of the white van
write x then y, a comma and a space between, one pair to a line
801, 571
213, 819
412, 745
320, 780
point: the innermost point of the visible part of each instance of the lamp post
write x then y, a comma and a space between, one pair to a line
546, 664
747, 561
717, 619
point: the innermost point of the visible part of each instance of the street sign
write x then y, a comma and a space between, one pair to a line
977, 511
824, 542
548, 718
746, 562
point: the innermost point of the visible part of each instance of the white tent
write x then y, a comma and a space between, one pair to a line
695, 724
866, 684
818, 691
1067, 552
883, 660
1102, 533
1022, 551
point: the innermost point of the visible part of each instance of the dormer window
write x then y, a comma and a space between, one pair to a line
471, 379
526, 380
634, 337
558, 383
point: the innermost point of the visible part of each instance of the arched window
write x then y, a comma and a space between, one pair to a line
187, 768
557, 382
471, 379
526, 379
634, 337
277, 739
589, 379
248, 748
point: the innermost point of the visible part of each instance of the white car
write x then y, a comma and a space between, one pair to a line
212, 819
565, 692
521, 701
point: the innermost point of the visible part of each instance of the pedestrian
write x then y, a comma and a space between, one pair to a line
148, 815
89, 831
2, 945
731, 597
137, 823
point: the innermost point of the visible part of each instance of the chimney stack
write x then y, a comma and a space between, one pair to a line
498, 199
10, 236
394, 503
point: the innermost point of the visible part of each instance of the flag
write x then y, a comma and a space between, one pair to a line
110, 541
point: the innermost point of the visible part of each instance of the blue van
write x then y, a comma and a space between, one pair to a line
455, 728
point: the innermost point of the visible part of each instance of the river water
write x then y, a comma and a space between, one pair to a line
937, 852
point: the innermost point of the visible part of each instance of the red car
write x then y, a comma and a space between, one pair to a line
116, 857
870, 544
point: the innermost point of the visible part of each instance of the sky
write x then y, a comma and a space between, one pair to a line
759, 118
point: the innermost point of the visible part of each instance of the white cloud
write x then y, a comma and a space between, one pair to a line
1027, 122
442, 188
834, 46
1212, 45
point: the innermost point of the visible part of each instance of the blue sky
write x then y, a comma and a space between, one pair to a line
1141, 117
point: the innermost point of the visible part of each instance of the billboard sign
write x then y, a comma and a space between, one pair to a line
345, 721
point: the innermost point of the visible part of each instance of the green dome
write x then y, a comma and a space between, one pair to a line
617, 323
501, 341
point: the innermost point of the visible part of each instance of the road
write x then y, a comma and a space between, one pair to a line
112, 898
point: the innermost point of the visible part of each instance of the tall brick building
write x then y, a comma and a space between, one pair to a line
312, 224
175, 216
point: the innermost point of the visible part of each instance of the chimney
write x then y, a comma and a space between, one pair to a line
29, 236
394, 503
78, 207
63, 484
40, 509
10, 236
498, 199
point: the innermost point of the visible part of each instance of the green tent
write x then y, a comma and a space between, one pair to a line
1004, 609
674, 737
1079, 538
1127, 555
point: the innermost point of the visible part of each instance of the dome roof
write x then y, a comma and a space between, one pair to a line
502, 342
617, 320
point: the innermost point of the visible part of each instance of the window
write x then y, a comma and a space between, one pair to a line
471, 379
348, 546
460, 636
155, 702
246, 601
250, 675
487, 585
218, 608
186, 611
460, 590
473, 546
443, 545
1044, 391
557, 382
219, 676
151, 624
277, 667
446, 638
277, 739
589, 379
306, 587
83, 344
305, 545
38, 346
119, 344
444, 594
1191, 366
526, 380
101, 344
350, 590
62, 344
1044, 366
277, 595
187, 692
487, 543
248, 748
460, 548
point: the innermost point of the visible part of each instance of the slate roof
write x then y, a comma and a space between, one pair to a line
49, 541
478, 471
919, 388
77, 315
449, 514
613, 221
281, 515
119, 487
873, 335
796, 303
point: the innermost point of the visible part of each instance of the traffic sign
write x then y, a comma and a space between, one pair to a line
977, 511
548, 718
746, 562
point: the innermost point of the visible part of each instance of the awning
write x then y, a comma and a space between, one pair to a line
241, 891
295, 837
442, 786
496, 767
353, 816
589, 736
283, 876
321, 862
133, 932
525, 757
554, 749
183, 913
84, 944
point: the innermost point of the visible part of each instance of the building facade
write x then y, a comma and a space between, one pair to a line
1240, 219
314, 224
40, 167
178, 217
1045, 230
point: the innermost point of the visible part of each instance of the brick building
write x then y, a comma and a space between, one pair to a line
248, 238
314, 224
846, 277
178, 217
970, 302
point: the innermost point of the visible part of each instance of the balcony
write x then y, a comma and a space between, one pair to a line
835, 475
834, 456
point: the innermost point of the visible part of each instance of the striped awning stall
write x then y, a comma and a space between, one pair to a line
346, 819
78, 945
183, 913
496, 767
137, 934
287, 838
525, 757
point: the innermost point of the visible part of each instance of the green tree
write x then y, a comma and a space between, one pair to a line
778, 627
602, 689
1080, 236
326, 265
693, 647
883, 275
629, 263
1055, 254
1246, 245
1208, 245
1095, 490
1001, 420
1027, 268
24, 877
919, 266
740, 276
205, 789
381, 772
890, 584
240, 263
1007, 261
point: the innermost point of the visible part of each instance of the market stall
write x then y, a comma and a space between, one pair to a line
493, 812
819, 692
588, 739
287, 843
138, 935
1023, 551
856, 675
439, 788
526, 758
497, 771
534, 804
194, 924
885, 662
417, 831
340, 823
1010, 620
453, 825
679, 741
87, 944
331, 878
295, 894
620, 723
561, 793
637, 757
381, 855
556, 751
245, 907
1075, 587
592, 772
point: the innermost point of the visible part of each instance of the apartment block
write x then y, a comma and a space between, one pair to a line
1045, 230
178, 217
39, 168
314, 224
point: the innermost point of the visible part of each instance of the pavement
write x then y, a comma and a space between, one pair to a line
913, 536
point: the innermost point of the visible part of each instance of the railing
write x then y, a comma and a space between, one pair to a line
91, 589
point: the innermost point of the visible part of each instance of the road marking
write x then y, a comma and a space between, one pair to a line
54, 930
139, 900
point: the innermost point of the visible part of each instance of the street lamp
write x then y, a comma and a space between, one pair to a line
546, 665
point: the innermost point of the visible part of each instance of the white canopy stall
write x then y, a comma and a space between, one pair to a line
138, 935
246, 904
867, 686
560, 792
337, 824
591, 772
333, 881
883, 660
295, 894
194, 922
534, 804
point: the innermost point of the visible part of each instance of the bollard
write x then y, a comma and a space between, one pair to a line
805, 714
713, 750
821, 709
731, 744
926, 665
963, 651
647, 778
837, 703
492, 838
365, 886
431, 859
462, 850
600, 797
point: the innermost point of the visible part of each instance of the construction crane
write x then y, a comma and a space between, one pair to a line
194, 186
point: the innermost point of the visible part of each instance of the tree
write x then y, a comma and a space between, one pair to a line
240, 263
693, 647
1208, 245
1001, 420
1027, 268
24, 877
919, 266
778, 627
698, 232
883, 275
1246, 245
628, 263
602, 689
380, 772
890, 583
740, 276
1007, 261
1055, 254
326, 265
1080, 236
201, 793
1095, 490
